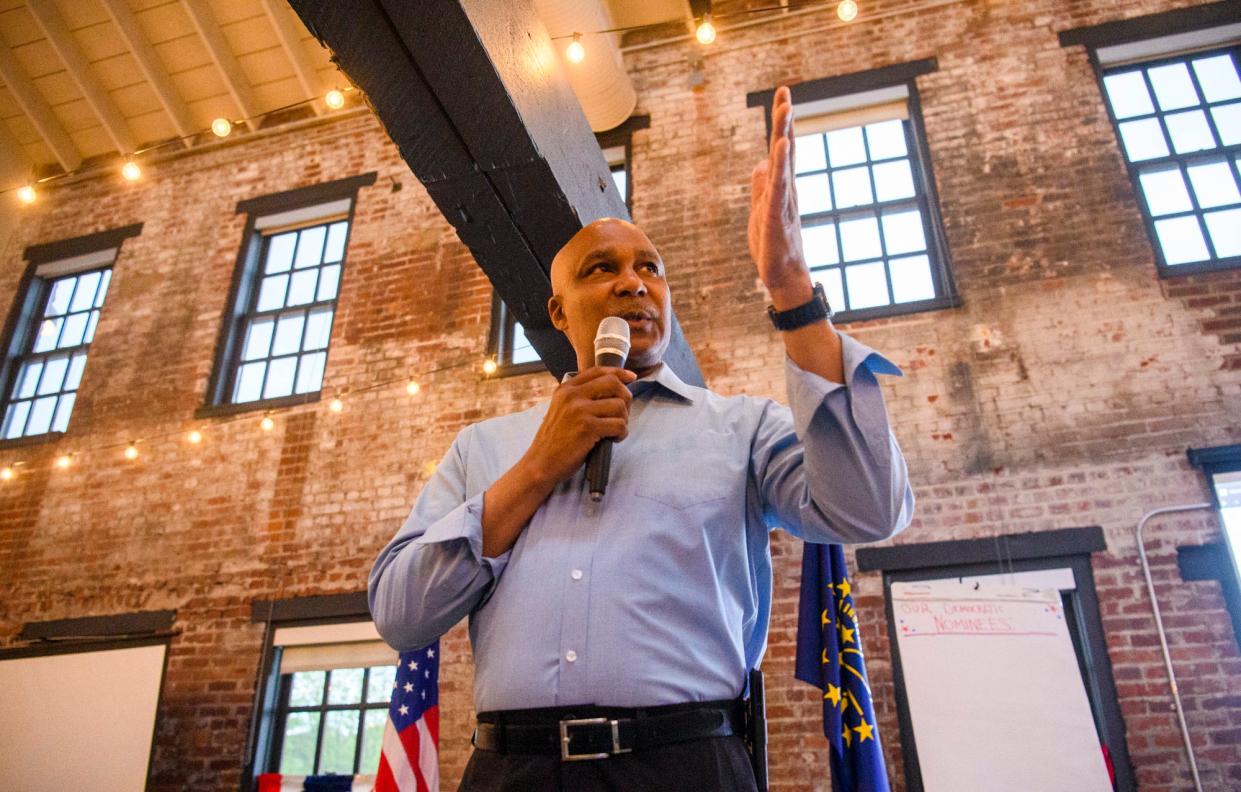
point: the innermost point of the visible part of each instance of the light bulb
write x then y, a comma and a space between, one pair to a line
221, 127
705, 31
131, 451
575, 52
6, 473
334, 99
26, 194
131, 171
267, 424
63, 461
336, 405
194, 436
489, 367
847, 10
412, 388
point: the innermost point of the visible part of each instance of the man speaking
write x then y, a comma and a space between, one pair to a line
612, 637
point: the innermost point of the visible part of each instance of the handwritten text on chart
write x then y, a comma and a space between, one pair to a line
975, 617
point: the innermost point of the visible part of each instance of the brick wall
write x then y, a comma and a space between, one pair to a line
1063, 392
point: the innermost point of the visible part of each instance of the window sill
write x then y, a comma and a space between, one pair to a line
1176, 270
884, 311
31, 440
518, 369
221, 410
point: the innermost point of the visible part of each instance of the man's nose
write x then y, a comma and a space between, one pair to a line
629, 282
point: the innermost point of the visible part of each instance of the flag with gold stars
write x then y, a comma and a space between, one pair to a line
829, 656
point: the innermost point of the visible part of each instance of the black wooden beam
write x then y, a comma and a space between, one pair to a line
472, 95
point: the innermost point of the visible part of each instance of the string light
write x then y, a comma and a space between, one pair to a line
336, 405
131, 451
706, 31
6, 473
267, 424
221, 127
63, 461
412, 388
334, 99
847, 10
26, 194
575, 52
131, 171
194, 436
489, 367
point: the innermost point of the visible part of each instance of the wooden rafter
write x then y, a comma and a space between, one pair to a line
234, 78
290, 39
37, 110
75, 63
152, 69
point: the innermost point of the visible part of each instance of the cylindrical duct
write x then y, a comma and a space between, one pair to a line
599, 81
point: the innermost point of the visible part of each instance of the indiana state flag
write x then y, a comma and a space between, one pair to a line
829, 656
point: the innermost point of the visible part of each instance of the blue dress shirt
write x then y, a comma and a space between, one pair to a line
661, 593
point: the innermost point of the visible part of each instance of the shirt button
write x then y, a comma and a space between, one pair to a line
576, 574
571, 656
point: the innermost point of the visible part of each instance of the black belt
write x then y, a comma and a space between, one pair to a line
589, 732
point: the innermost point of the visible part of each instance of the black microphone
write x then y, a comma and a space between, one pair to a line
611, 349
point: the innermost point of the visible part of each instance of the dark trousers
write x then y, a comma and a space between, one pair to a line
716, 764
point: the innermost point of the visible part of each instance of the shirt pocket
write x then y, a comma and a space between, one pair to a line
689, 470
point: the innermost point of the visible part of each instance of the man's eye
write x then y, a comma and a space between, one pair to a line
652, 266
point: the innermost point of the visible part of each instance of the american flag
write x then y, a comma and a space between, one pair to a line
409, 760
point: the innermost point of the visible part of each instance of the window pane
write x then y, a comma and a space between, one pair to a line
297, 753
31, 371
830, 279
1189, 131
310, 247
345, 686
310, 373
813, 194
868, 286
819, 245
860, 240
288, 334
522, 351
329, 277
58, 303
845, 147
63, 411
76, 367
1218, 77
258, 339
319, 328
280, 252
1143, 140
372, 740
886, 139
271, 295
1173, 88
302, 287
902, 232
379, 684
894, 180
1214, 185
75, 329
15, 418
621, 179
49, 329
1128, 95
90, 327
84, 297
911, 279
103, 288
335, 250
249, 380
340, 740
851, 188
1165, 191
808, 154
53, 374
279, 377
1181, 240
41, 415
307, 690
1225, 230
1228, 122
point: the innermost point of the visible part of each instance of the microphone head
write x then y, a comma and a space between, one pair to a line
612, 342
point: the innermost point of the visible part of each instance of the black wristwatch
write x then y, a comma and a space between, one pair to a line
814, 311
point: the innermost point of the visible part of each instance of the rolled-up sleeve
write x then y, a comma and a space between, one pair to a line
832, 471
433, 573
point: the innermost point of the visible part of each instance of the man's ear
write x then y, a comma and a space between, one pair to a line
556, 312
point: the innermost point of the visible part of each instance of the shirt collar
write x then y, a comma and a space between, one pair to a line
664, 377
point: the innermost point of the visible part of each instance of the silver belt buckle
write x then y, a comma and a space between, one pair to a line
566, 756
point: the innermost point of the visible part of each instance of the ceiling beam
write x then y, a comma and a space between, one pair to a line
37, 110
291, 39
151, 67
480, 111
58, 36
234, 78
